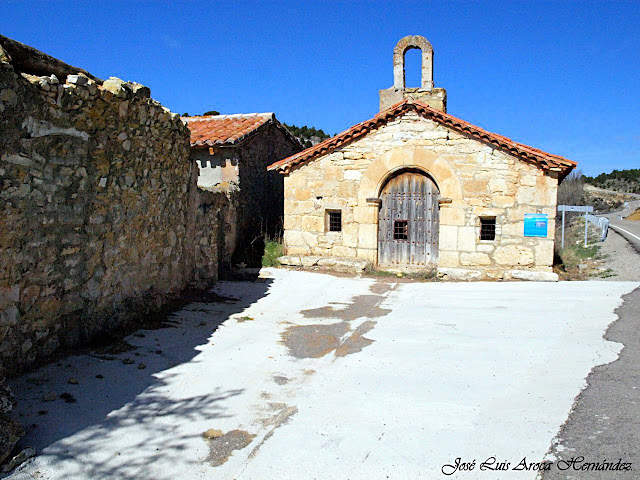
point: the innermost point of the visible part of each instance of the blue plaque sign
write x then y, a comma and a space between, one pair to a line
535, 225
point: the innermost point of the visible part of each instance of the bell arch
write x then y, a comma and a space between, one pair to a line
407, 43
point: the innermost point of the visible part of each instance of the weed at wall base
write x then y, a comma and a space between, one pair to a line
273, 249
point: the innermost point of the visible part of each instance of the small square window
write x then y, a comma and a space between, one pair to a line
401, 230
334, 220
488, 228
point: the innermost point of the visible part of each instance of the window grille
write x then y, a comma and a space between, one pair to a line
401, 230
334, 220
488, 228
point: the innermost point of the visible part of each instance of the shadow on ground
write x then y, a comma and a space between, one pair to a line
94, 394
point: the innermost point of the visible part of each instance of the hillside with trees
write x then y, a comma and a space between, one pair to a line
577, 190
626, 181
308, 136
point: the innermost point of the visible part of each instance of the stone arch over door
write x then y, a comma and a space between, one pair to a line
408, 220
419, 158
381, 168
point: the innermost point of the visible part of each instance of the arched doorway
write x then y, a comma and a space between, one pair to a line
408, 221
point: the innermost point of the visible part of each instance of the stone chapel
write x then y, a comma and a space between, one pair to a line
416, 188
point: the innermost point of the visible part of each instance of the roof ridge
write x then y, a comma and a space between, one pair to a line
545, 160
197, 118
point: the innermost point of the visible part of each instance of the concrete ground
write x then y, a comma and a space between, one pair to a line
310, 376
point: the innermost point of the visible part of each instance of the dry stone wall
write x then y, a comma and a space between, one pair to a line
478, 180
95, 192
102, 220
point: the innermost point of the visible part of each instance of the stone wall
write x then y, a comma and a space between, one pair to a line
102, 218
215, 234
477, 179
99, 220
10, 429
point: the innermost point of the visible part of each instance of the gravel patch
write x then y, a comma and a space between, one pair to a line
621, 258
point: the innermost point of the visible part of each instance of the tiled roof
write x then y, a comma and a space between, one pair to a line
212, 130
546, 161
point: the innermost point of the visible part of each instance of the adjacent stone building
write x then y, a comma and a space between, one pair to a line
232, 153
417, 188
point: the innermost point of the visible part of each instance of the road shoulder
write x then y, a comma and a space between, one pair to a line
620, 259
604, 424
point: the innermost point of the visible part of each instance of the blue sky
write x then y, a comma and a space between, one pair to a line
562, 76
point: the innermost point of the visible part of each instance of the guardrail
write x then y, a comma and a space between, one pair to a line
600, 222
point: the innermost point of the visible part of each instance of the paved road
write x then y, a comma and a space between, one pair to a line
629, 229
310, 376
604, 423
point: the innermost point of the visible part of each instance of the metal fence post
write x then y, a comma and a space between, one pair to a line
586, 228
562, 245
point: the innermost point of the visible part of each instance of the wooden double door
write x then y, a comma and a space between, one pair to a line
408, 220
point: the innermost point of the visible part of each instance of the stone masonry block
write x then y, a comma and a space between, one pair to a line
368, 236
297, 250
515, 229
529, 180
352, 175
291, 222
448, 259
474, 259
467, 239
544, 252
452, 216
365, 214
514, 255
294, 238
301, 194
526, 195
342, 251
502, 201
497, 185
448, 237
347, 188
350, 234
368, 254
312, 223
333, 173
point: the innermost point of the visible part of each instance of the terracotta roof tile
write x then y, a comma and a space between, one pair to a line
211, 130
545, 160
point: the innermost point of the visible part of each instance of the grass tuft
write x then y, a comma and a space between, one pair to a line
273, 249
424, 275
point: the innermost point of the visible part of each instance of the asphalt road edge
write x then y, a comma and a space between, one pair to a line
554, 453
633, 241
